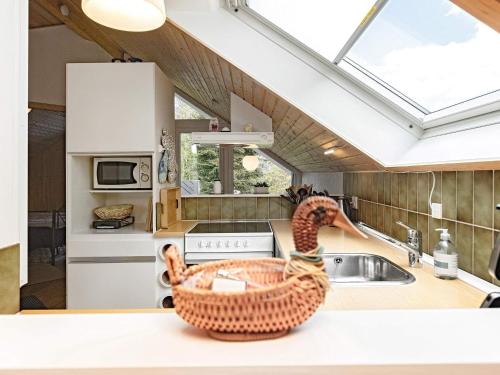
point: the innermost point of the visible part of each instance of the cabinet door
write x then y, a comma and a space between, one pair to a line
115, 283
110, 108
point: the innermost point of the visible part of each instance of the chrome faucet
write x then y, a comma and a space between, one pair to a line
413, 244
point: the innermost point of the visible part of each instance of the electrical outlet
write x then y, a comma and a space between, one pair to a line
437, 210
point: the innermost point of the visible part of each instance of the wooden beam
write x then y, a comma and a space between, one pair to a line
47, 106
486, 11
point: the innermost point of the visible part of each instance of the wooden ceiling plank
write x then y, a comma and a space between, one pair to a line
216, 68
237, 81
39, 17
319, 148
288, 135
279, 113
270, 101
305, 139
179, 61
291, 117
259, 96
199, 69
187, 60
226, 74
486, 11
221, 93
218, 95
247, 89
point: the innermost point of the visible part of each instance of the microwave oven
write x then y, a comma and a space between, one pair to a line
122, 173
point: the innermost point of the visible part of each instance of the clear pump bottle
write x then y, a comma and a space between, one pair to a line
445, 257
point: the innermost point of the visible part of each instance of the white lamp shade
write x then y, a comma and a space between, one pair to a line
127, 15
250, 162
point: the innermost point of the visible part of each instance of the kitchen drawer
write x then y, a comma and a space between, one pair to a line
109, 248
114, 283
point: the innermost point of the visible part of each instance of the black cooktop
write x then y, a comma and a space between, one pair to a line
232, 227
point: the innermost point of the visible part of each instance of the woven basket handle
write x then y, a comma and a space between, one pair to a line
175, 265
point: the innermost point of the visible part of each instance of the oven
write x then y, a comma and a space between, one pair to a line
210, 241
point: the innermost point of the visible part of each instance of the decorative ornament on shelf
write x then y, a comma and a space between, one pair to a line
167, 168
250, 162
213, 125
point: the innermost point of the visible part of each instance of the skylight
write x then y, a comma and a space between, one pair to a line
429, 54
431, 51
324, 26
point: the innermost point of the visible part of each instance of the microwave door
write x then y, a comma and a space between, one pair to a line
117, 174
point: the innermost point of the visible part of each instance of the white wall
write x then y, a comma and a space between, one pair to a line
13, 125
333, 182
50, 49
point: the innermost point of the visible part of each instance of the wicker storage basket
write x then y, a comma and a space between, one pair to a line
280, 302
118, 211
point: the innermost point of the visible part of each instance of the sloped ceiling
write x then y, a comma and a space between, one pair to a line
208, 79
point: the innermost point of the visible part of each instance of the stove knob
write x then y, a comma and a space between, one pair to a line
144, 177
237, 243
200, 244
208, 245
219, 244
245, 243
228, 244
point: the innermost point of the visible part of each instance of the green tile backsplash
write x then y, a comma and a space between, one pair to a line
468, 198
236, 208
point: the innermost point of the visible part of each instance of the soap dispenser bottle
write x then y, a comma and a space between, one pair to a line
445, 257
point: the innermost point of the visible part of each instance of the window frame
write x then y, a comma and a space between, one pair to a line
475, 107
226, 160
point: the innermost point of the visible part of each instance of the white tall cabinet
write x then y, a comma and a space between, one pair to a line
112, 109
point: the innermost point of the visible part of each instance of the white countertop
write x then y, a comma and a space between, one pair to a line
340, 341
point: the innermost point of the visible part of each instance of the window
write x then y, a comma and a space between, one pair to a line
324, 26
268, 171
429, 57
202, 164
187, 111
431, 51
199, 166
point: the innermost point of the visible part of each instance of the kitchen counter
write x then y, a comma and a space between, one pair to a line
179, 229
331, 342
427, 292
347, 339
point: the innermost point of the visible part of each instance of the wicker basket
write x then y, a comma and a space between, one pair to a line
279, 303
119, 211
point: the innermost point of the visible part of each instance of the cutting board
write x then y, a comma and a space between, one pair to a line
170, 200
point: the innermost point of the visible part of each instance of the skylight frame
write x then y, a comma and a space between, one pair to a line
417, 114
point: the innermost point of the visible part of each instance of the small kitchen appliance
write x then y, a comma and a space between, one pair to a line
122, 173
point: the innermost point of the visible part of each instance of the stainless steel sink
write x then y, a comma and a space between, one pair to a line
369, 269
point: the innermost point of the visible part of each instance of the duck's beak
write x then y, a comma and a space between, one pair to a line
342, 221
